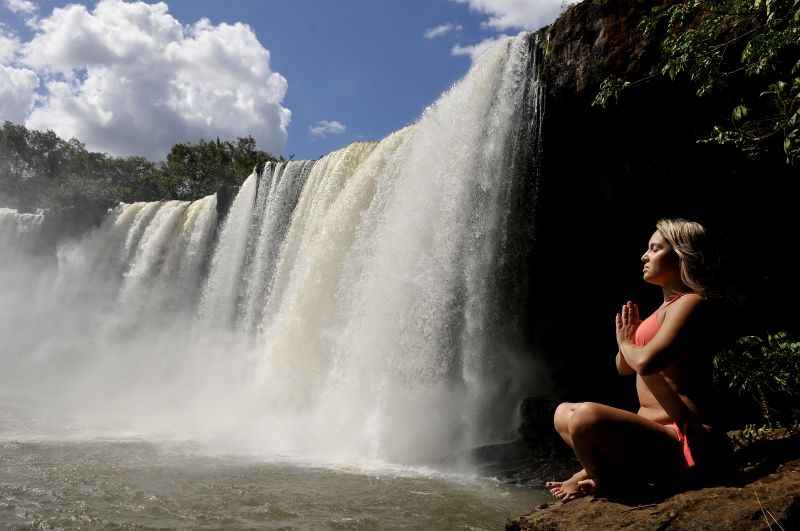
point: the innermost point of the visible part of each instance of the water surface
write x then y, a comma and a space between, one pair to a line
118, 484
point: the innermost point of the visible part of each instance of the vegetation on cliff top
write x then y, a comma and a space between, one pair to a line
41, 170
744, 51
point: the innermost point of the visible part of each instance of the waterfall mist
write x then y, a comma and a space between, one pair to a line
350, 308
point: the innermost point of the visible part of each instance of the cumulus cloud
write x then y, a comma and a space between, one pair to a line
442, 29
520, 14
325, 128
9, 44
17, 92
21, 6
17, 84
127, 78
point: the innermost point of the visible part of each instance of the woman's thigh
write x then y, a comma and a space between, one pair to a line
618, 440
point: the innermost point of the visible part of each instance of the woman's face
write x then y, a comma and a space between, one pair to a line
660, 264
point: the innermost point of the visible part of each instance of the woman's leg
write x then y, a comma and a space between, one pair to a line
561, 420
615, 445
569, 488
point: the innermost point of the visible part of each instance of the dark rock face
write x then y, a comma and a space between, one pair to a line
606, 176
591, 40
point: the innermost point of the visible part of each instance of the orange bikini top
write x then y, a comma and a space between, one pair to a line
649, 327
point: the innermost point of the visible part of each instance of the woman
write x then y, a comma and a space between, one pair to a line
673, 378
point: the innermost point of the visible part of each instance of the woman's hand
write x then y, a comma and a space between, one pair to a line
627, 321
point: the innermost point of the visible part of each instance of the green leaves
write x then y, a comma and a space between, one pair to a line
739, 113
765, 371
745, 50
610, 90
40, 170
195, 170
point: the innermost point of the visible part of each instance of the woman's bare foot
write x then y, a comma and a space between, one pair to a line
580, 484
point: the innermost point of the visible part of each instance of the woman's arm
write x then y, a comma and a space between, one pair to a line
622, 366
661, 350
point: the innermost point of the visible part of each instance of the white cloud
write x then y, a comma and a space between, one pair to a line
476, 50
324, 128
9, 44
21, 6
442, 29
128, 78
17, 84
17, 92
521, 14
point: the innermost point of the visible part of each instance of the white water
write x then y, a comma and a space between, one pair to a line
340, 313
18, 233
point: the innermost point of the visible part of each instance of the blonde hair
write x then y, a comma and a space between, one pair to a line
689, 241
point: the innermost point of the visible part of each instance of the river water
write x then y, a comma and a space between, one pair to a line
135, 484
80, 477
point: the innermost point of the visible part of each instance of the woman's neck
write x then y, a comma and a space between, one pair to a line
674, 290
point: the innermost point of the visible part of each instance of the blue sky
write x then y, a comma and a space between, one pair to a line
130, 78
363, 63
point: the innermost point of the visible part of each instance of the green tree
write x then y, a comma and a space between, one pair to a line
41, 170
748, 52
196, 170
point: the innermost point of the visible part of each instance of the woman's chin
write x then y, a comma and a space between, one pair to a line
649, 278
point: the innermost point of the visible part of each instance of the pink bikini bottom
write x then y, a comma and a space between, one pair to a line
697, 431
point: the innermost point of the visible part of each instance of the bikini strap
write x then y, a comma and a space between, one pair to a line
670, 301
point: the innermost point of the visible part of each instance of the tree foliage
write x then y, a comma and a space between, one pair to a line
764, 371
747, 51
196, 170
41, 170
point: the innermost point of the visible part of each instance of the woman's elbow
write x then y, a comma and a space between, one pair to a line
646, 367
625, 370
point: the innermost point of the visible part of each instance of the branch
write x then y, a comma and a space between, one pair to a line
738, 37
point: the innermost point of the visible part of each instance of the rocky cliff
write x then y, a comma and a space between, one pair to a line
604, 177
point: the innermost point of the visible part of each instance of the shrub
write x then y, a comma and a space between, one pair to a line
764, 372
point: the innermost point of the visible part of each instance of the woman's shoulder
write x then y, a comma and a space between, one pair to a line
690, 299
685, 305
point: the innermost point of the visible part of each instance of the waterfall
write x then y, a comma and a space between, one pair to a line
218, 304
277, 207
18, 233
347, 308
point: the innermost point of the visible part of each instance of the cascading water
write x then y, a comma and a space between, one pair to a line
18, 233
347, 308
280, 198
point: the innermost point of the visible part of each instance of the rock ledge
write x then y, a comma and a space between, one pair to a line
763, 493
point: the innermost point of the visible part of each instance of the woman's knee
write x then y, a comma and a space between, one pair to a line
562, 415
585, 417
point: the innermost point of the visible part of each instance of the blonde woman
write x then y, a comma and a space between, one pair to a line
673, 377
